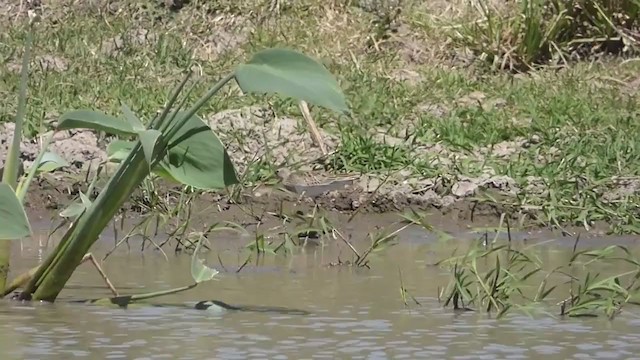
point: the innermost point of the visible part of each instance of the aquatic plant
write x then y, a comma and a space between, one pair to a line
176, 144
499, 276
13, 219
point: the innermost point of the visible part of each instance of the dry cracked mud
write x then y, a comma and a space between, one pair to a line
253, 133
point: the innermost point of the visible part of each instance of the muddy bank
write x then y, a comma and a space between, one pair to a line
254, 134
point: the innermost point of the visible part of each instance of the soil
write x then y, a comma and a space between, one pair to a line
252, 134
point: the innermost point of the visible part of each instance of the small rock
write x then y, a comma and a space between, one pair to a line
135, 38
501, 182
507, 148
535, 186
447, 201
404, 174
388, 139
369, 184
475, 98
621, 188
464, 188
430, 196
435, 110
407, 76
420, 185
52, 63
494, 104
535, 139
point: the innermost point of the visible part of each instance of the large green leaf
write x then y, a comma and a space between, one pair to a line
292, 74
13, 220
89, 119
197, 158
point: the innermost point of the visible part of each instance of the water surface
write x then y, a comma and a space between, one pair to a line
353, 313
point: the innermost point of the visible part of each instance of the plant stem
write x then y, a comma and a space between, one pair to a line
23, 186
10, 175
52, 276
199, 104
5, 255
154, 294
19, 281
88, 227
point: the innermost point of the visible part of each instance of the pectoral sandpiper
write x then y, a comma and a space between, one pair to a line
313, 184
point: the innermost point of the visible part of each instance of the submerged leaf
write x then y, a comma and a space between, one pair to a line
292, 74
95, 120
13, 220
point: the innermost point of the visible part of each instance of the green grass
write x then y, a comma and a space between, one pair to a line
585, 128
527, 34
500, 276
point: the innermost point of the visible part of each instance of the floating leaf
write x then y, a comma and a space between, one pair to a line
199, 271
292, 74
13, 220
95, 120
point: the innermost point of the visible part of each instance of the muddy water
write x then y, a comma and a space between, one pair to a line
353, 313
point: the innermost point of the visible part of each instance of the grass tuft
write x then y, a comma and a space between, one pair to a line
530, 33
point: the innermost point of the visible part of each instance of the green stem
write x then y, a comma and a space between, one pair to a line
48, 283
5, 257
126, 300
11, 162
199, 104
155, 294
21, 189
52, 276
45, 267
10, 175
159, 121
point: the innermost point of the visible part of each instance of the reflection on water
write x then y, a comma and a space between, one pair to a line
353, 314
